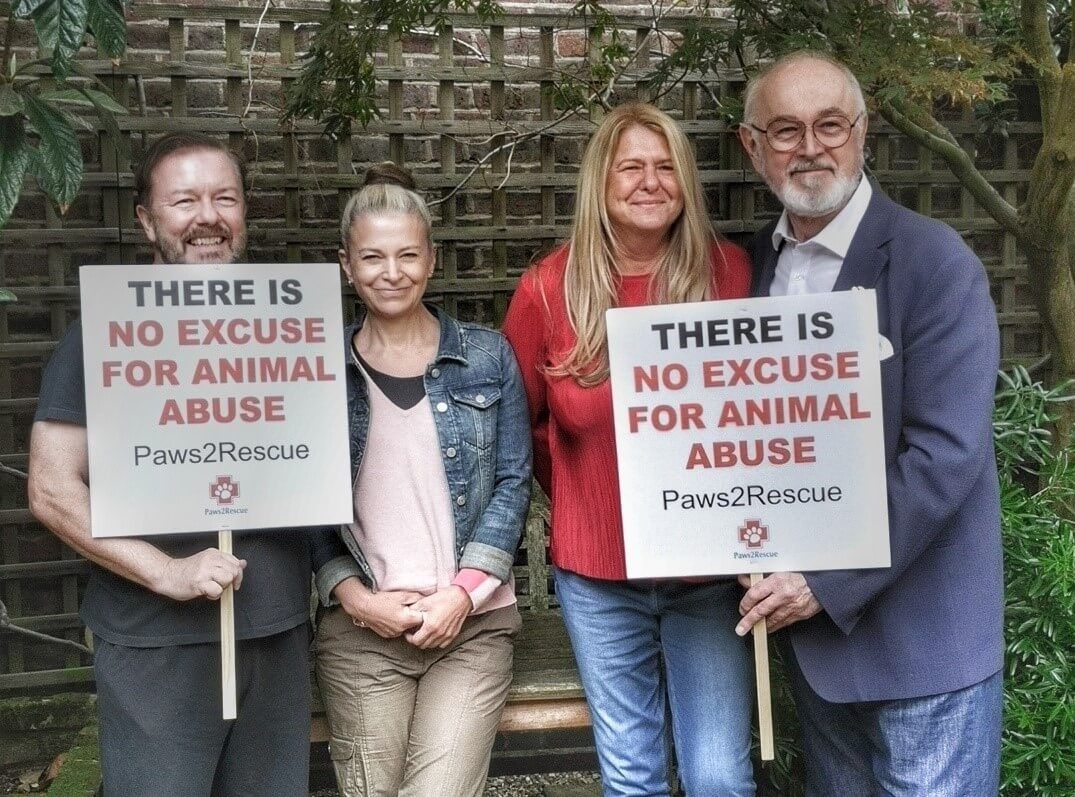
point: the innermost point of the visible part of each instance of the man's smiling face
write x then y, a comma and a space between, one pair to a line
196, 211
811, 180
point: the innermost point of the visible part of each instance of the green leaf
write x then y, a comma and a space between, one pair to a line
14, 160
7, 296
61, 28
57, 161
109, 26
23, 9
10, 101
86, 97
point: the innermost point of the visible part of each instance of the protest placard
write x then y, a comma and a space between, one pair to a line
215, 401
749, 436
749, 439
215, 397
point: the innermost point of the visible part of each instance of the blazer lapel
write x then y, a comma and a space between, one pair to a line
866, 258
765, 257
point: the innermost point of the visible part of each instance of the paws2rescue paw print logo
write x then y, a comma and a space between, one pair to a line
224, 490
753, 534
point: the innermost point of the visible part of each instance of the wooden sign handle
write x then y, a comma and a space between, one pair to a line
227, 636
761, 673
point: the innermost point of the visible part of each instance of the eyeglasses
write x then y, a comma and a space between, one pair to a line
830, 131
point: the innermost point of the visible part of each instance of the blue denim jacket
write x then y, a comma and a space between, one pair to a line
479, 409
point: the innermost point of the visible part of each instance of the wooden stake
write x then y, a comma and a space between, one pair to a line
227, 636
761, 673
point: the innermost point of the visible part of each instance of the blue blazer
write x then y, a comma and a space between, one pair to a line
932, 622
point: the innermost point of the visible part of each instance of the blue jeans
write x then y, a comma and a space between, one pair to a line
945, 745
621, 633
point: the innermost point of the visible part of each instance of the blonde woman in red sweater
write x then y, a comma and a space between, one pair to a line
646, 649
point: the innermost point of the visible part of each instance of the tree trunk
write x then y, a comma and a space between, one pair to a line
1054, 291
1048, 239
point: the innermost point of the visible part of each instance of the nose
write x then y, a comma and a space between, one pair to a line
207, 213
650, 180
392, 270
809, 146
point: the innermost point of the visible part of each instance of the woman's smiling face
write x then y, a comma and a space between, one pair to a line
389, 260
642, 191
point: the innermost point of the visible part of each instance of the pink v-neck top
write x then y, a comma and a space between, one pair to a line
403, 516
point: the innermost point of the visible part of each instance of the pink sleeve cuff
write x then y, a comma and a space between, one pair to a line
478, 584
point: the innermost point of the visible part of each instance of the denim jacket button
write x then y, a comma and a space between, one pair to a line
434, 373
442, 406
480, 398
450, 453
461, 500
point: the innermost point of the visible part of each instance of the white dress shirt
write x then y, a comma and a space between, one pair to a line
812, 266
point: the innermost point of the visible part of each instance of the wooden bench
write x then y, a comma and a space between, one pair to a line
546, 693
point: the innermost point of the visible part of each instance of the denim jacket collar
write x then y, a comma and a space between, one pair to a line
453, 341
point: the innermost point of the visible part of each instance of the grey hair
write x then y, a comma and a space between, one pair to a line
754, 84
383, 198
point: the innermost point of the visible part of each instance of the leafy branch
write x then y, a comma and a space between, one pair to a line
338, 84
39, 112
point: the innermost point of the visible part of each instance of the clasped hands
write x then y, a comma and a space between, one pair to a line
426, 621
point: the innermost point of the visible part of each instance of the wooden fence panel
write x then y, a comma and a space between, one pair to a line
449, 100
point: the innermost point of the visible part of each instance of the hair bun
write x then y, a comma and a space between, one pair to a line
388, 173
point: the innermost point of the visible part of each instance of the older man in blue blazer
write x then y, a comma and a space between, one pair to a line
896, 671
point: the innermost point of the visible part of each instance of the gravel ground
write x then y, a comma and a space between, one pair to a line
534, 785
529, 785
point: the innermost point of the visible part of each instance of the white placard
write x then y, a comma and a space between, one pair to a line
749, 435
215, 397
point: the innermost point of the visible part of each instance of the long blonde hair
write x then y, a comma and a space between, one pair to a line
683, 274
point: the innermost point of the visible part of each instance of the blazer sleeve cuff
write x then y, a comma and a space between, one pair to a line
828, 595
332, 573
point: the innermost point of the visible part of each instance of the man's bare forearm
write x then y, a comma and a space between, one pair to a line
60, 498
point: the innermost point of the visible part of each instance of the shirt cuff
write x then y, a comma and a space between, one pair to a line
478, 585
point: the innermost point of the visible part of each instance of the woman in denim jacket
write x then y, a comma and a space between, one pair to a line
414, 643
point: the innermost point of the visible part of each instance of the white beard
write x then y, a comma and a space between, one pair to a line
813, 203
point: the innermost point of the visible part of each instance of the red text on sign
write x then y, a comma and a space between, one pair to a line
671, 377
139, 373
789, 368
776, 451
249, 409
145, 333
665, 417
238, 331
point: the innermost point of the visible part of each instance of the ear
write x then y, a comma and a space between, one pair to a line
749, 141
344, 263
145, 218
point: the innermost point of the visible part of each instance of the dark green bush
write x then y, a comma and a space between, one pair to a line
1038, 758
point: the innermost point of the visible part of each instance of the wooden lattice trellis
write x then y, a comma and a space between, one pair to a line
444, 107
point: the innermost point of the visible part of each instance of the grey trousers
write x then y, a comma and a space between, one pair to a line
161, 730
410, 722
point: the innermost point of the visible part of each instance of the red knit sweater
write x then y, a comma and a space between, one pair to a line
574, 438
